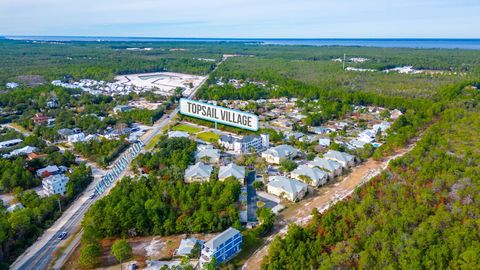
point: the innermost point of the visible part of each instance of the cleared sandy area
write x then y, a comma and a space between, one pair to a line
160, 82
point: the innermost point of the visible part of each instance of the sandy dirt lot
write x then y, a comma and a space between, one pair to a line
143, 248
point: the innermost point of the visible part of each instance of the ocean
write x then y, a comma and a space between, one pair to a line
427, 43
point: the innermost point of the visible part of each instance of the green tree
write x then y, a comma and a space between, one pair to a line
90, 255
121, 250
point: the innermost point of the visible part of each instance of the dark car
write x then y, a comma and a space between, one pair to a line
62, 235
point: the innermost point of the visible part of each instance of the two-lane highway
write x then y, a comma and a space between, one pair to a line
40, 254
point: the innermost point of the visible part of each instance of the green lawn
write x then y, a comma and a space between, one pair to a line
208, 136
187, 128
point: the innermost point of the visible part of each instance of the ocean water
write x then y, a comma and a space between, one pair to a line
471, 44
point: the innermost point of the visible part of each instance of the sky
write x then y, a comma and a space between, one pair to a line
243, 18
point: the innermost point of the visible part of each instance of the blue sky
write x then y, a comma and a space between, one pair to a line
243, 18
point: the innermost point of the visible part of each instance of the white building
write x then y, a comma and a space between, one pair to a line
246, 144
325, 142
382, 126
21, 151
315, 175
287, 188
78, 137
55, 184
276, 154
232, 170
333, 168
367, 136
207, 154
343, 158
10, 143
198, 173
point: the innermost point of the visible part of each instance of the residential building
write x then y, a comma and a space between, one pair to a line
14, 207
293, 134
321, 130
251, 143
40, 119
10, 143
232, 170
333, 168
78, 137
226, 141
50, 170
245, 144
122, 108
55, 184
287, 188
199, 172
313, 175
207, 154
12, 85
343, 158
325, 142
276, 154
21, 151
356, 144
222, 247
186, 246
382, 127
367, 136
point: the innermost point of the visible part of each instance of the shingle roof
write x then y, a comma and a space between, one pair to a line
198, 170
287, 184
231, 169
281, 151
341, 156
215, 242
325, 164
314, 173
212, 153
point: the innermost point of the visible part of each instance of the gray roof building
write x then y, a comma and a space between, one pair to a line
198, 173
218, 240
232, 169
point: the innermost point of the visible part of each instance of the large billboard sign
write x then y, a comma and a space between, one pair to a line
218, 114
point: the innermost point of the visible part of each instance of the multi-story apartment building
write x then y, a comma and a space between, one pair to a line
223, 247
55, 184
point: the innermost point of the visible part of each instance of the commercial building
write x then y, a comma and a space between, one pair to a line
223, 247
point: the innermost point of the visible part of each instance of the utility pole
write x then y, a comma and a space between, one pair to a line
344, 56
59, 205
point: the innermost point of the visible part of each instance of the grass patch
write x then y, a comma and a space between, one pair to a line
208, 136
153, 142
187, 128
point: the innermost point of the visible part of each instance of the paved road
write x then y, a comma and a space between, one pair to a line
40, 254
251, 198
